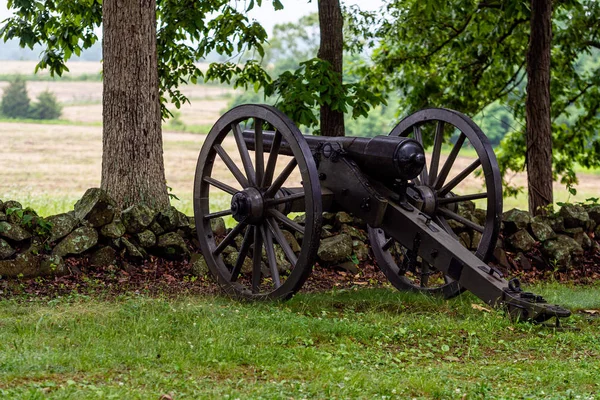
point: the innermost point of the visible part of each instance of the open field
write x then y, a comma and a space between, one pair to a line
76, 68
49, 167
9, 67
82, 101
351, 344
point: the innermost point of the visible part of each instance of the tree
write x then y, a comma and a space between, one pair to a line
537, 107
331, 50
15, 101
311, 86
468, 55
132, 158
150, 49
46, 107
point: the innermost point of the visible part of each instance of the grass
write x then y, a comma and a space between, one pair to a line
347, 344
45, 77
44, 205
48, 121
200, 129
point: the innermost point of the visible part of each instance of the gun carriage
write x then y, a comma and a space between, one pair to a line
406, 196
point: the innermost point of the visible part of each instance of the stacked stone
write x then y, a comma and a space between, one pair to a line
343, 244
32, 246
94, 228
562, 237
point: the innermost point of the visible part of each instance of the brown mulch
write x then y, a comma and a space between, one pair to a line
160, 277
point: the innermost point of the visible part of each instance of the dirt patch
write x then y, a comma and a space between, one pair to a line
159, 277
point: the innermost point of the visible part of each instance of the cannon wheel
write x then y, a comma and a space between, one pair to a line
257, 203
443, 197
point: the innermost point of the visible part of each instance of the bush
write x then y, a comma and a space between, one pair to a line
15, 102
47, 107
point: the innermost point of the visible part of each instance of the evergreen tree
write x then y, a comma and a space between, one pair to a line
46, 107
15, 101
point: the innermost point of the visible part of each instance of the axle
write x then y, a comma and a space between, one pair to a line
387, 157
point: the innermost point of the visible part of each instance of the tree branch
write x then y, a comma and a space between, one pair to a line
573, 100
511, 80
484, 4
593, 43
439, 47
511, 29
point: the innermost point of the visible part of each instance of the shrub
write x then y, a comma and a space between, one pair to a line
46, 107
15, 101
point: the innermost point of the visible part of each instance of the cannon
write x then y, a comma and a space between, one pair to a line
274, 182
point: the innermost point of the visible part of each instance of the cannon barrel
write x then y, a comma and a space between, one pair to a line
390, 157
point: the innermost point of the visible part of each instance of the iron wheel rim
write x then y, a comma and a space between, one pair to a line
305, 164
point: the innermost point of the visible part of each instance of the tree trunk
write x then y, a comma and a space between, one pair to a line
539, 124
331, 49
132, 156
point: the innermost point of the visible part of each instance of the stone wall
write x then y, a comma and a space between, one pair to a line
32, 246
560, 240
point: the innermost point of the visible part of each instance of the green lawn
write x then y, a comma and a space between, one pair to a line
370, 343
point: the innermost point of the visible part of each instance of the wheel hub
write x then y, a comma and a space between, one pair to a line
428, 198
247, 205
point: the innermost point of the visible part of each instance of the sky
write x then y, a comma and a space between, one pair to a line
294, 9
266, 15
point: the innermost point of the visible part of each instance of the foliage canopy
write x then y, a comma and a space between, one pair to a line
187, 32
468, 55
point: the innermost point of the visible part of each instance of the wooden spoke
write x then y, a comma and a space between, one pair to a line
239, 176
388, 243
284, 199
271, 259
272, 162
437, 150
256, 260
259, 152
441, 204
444, 225
217, 214
280, 238
286, 221
459, 199
244, 153
237, 269
261, 133
419, 138
452, 215
441, 178
276, 185
220, 185
459, 178
425, 272
229, 238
